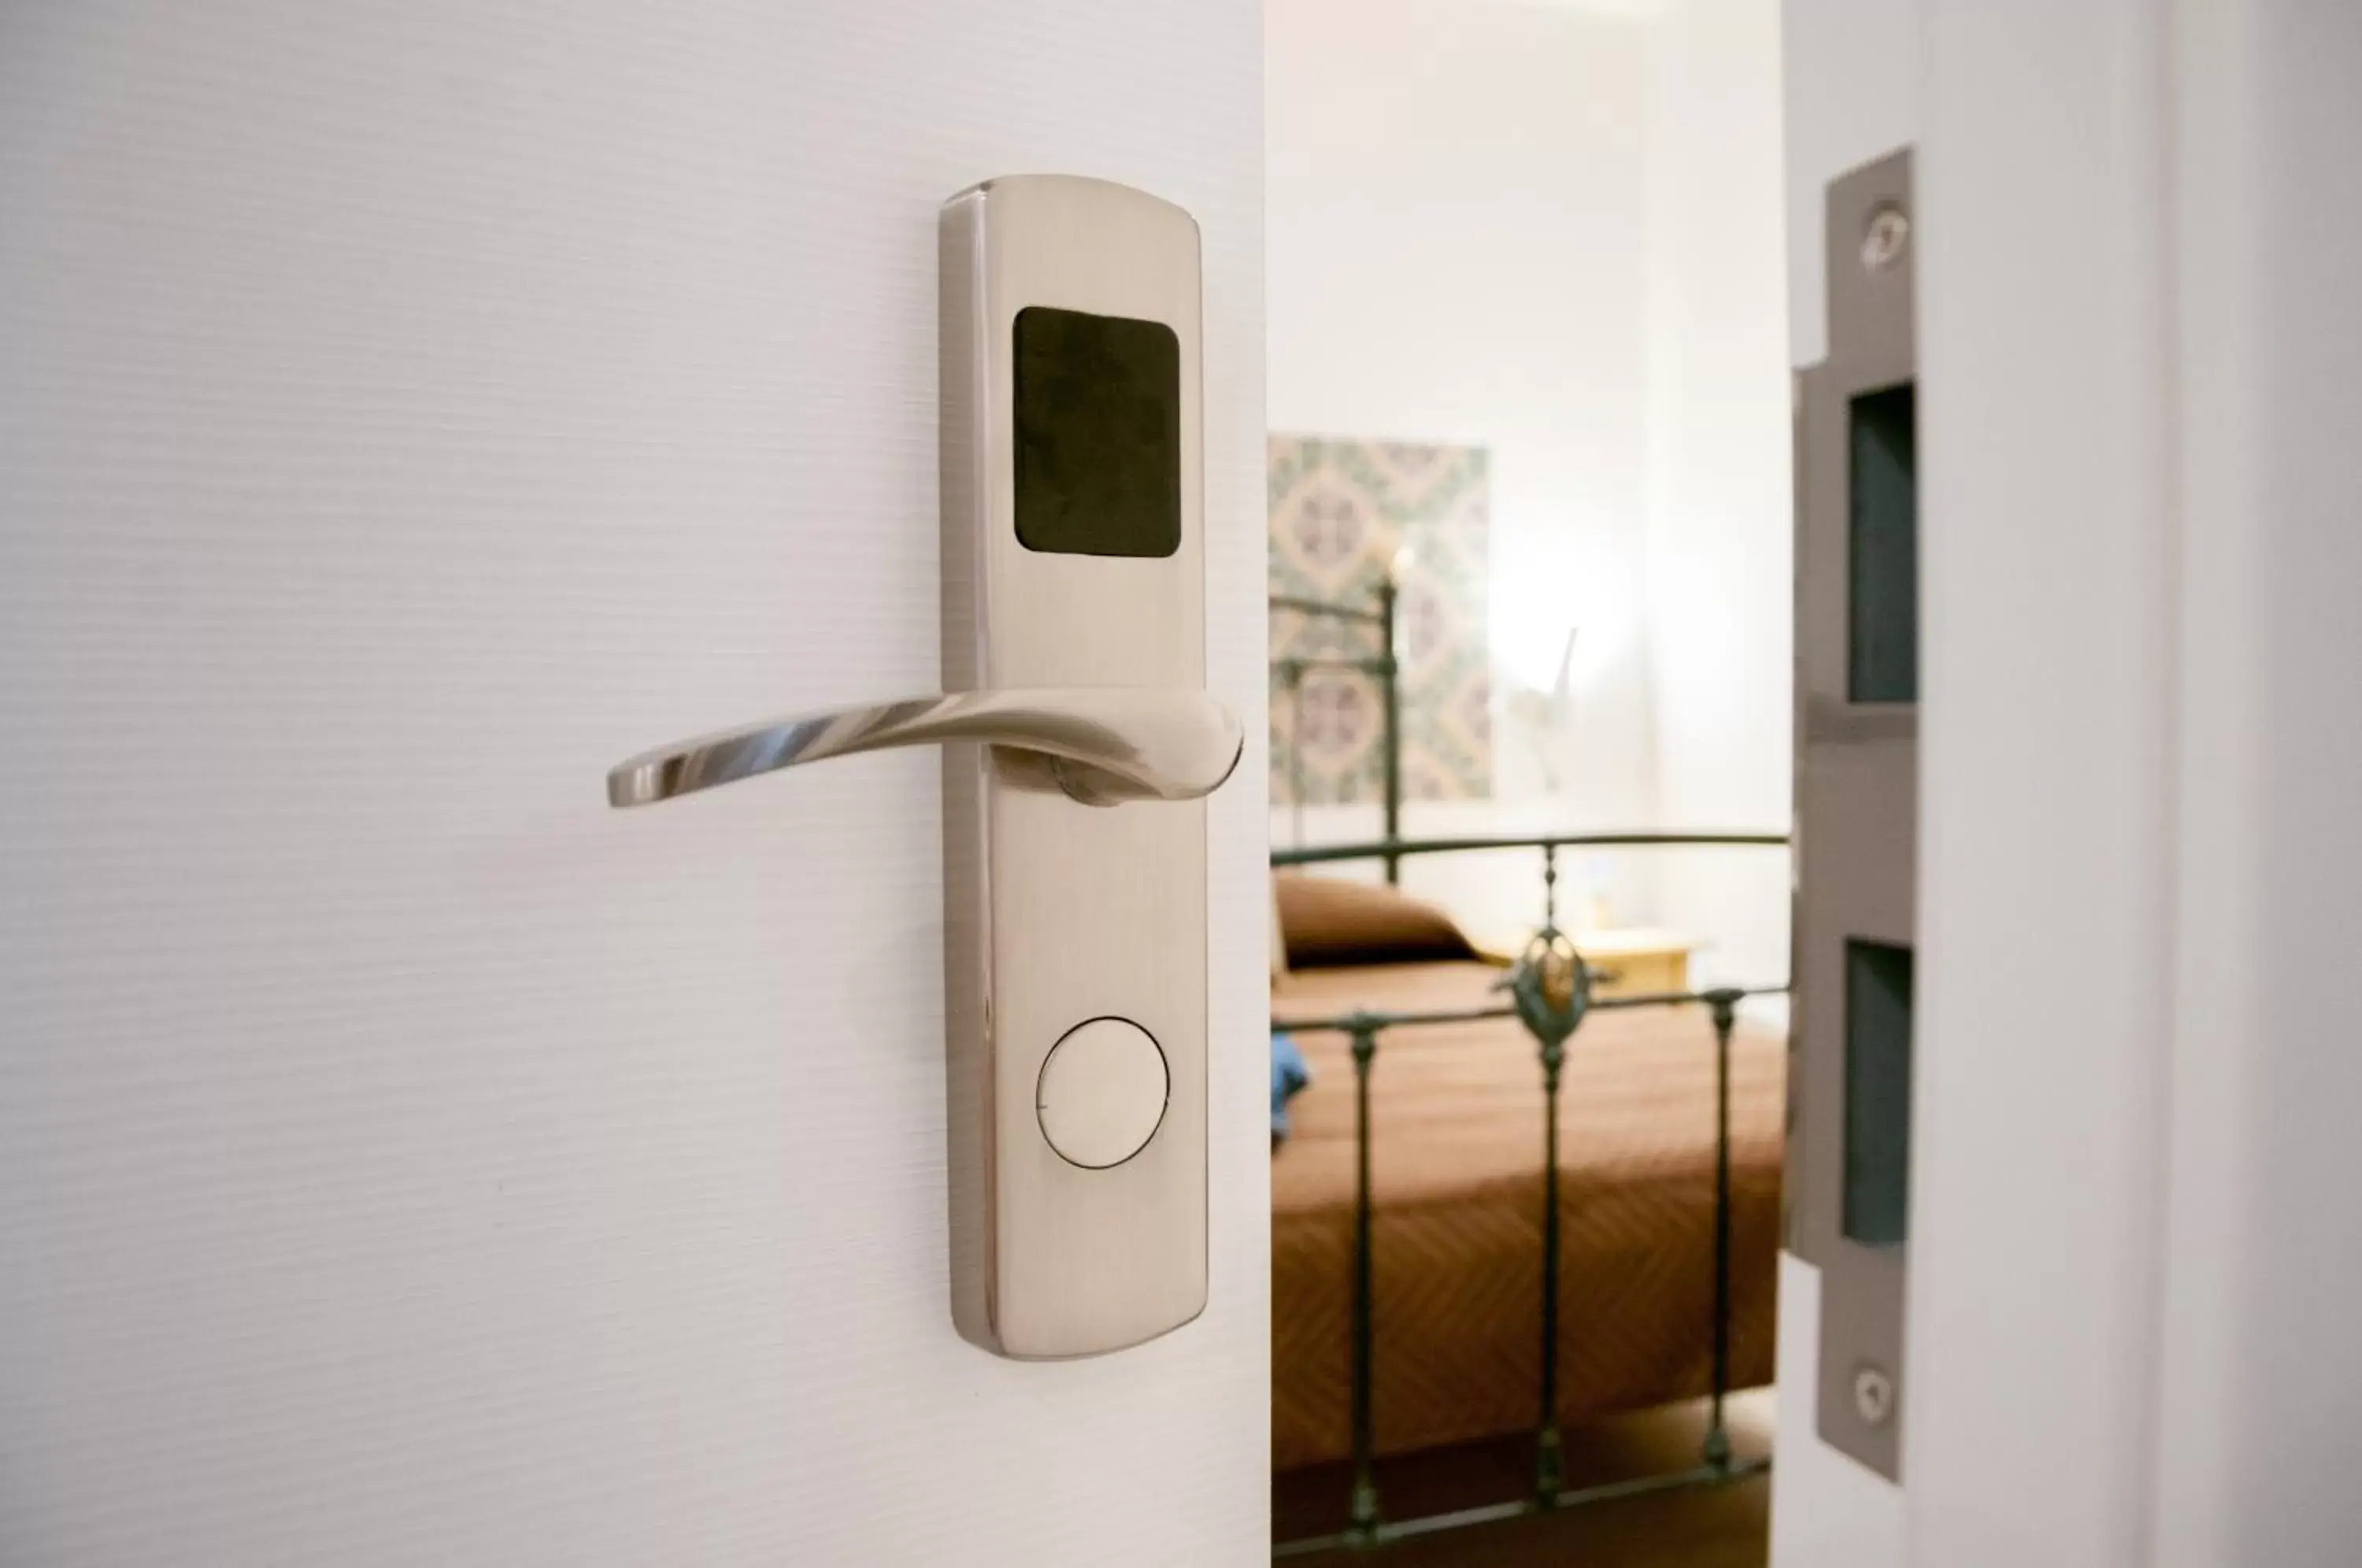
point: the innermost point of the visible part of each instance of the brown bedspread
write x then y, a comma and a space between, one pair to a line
1456, 1154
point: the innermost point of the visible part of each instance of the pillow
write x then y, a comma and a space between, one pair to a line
1327, 922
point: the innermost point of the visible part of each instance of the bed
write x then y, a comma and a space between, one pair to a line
1456, 1167
1435, 1165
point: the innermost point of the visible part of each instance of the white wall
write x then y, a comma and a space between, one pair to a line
2262, 1275
1851, 92
406, 411
1718, 441
1456, 226
1554, 230
2046, 735
2136, 1275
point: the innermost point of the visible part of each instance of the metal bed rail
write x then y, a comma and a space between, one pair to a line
1548, 964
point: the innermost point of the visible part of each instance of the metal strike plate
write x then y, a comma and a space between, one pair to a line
1857, 808
1059, 915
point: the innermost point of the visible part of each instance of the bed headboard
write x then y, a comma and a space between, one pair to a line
1373, 620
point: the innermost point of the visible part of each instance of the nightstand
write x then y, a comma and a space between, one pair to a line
1639, 960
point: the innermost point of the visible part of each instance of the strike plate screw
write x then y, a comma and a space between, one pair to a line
1873, 1396
1882, 241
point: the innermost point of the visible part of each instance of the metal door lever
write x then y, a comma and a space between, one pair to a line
1103, 743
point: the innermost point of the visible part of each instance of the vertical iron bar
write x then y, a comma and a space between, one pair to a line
1294, 674
1390, 694
1549, 885
1366, 1483
1725, 1003
1549, 1458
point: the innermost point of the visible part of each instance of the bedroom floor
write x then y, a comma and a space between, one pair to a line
1701, 1527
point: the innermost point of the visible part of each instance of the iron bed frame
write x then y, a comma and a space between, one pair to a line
1550, 961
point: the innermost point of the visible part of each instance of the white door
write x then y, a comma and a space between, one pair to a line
2134, 1277
406, 411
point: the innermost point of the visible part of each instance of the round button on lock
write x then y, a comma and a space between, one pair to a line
1102, 1092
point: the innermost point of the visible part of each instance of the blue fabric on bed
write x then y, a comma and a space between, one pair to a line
1288, 1075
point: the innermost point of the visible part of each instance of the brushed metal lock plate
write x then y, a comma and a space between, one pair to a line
1057, 914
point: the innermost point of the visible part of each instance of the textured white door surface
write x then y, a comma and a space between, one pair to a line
406, 411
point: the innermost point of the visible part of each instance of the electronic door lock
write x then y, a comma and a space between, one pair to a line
1074, 658
1101, 745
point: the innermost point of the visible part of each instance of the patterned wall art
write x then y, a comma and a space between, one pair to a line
1340, 512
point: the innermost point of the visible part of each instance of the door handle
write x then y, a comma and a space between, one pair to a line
1103, 744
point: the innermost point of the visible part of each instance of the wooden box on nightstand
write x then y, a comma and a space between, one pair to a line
1633, 961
